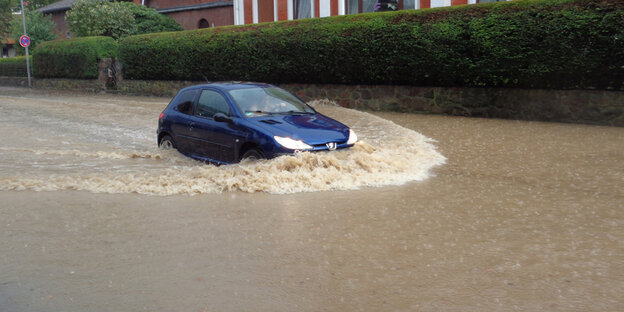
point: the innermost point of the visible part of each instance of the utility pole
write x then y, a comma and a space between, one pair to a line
27, 54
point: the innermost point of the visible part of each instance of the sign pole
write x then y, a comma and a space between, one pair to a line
27, 54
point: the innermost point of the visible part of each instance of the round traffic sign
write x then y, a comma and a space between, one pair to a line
24, 41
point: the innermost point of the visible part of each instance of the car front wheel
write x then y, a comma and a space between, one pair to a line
251, 155
166, 143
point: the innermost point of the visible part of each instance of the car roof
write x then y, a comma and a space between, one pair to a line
230, 85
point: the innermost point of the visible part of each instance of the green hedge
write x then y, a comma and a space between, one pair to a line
74, 58
560, 44
13, 66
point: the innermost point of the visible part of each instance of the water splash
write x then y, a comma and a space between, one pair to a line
386, 154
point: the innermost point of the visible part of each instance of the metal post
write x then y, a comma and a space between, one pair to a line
27, 54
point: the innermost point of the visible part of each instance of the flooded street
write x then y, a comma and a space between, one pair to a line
426, 213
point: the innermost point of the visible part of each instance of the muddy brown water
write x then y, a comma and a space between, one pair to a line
427, 213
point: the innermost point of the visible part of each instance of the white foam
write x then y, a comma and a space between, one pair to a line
386, 154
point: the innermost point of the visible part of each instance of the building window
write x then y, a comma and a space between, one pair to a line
440, 3
353, 6
366, 6
203, 23
303, 9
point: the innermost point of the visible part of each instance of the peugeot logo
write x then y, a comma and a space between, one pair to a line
331, 146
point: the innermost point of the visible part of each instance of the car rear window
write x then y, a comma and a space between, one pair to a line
184, 101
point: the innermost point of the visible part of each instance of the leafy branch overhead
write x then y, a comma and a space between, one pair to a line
6, 12
39, 28
7, 7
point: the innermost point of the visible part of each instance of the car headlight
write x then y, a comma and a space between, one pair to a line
352, 137
291, 143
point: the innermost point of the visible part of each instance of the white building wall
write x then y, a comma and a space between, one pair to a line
440, 3
324, 8
254, 8
275, 10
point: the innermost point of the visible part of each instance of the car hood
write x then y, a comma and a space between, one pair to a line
311, 128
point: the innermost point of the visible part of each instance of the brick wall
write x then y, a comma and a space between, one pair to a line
61, 25
221, 16
578, 106
161, 4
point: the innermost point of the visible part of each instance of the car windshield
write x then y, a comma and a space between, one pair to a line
262, 101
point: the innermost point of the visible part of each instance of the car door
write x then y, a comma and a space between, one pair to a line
216, 140
181, 121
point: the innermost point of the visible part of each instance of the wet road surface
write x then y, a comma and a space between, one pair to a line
523, 216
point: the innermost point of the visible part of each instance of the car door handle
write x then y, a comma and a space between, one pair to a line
191, 125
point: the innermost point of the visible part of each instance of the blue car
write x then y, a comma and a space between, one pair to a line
227, 122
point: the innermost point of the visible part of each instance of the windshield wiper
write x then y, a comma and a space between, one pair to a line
292, 112
259, 112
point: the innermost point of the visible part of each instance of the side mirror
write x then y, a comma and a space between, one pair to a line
220, 117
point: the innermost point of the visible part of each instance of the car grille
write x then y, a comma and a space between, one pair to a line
324, 145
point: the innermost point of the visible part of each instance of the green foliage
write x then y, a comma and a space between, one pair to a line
535, 44
6, 11
116, 19
13, 66
13, 60
100, 18
38, 26
74, 58
7, 7
32, 5
148, 20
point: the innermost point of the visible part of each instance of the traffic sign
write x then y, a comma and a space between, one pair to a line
24, 41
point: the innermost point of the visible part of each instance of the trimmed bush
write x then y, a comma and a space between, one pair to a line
563, 44
13, 66
74, 58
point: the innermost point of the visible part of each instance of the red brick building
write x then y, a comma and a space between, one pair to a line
190, 14
56, 11
193, 14
258, 11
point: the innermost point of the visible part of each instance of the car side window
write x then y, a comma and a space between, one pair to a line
212, 102
184, 101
